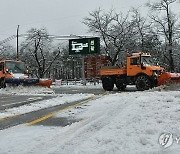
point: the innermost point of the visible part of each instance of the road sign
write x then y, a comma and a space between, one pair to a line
84, 46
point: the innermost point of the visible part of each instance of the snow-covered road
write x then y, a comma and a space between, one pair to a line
129, 122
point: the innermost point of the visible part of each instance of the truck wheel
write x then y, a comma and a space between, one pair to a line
143, 83
2, 83
107, 83
121, 87
120, 84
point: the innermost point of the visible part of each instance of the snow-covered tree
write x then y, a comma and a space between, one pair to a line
167, 25
37, 51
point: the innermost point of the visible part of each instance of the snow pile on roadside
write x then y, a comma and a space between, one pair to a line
60, 99
79, 85
116, 123
87, 86
26, 90
125, 123
167, 87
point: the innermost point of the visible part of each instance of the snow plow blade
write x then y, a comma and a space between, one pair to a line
18, 81
45, 82
168, 78
29, 82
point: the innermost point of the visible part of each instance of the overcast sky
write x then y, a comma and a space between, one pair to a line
60, 17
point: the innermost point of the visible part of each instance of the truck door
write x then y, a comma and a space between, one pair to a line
1, 69
133, 66
2, 76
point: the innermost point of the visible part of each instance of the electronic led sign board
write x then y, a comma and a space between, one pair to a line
84, 46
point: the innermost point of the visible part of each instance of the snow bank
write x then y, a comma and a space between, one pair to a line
126, 123
26, 90
60, 99
167, 87
87, 86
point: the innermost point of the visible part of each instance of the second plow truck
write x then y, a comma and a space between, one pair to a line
14, 72
139, 71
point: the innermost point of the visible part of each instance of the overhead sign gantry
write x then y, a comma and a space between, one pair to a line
84, 46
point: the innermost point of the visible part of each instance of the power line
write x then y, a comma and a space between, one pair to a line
7, 39
62, 37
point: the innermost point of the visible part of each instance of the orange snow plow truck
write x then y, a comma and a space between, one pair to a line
139, 71
14, 72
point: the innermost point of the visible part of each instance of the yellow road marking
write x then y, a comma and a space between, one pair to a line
54, 113
41, 119
105, 93
9, 117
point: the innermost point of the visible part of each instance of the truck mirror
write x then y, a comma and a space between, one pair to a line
26, 71
142, 66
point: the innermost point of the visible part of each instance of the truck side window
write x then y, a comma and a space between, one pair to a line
1, 66
134, 61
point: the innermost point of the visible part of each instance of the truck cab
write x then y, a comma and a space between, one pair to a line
10, 70
141, 63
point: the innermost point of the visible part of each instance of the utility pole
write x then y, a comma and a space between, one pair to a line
17, 45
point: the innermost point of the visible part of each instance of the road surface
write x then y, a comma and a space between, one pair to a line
44, 116
9, 101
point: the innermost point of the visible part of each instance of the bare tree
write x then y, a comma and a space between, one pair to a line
67, 66
38, 46
115, 30
141, 27
147, 39
7, 51
167, 25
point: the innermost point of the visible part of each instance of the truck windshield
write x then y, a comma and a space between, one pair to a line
147, 60
15, 67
